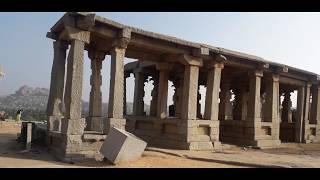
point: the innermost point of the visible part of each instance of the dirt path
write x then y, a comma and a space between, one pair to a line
289, 155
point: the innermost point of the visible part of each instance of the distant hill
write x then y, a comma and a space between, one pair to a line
26, 98
29, 98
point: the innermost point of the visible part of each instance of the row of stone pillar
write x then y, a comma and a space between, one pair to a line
185, 97
72, 88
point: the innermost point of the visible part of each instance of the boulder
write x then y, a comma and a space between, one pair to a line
122, 146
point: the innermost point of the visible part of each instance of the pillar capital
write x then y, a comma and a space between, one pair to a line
163, 66
120, 43
187, 59
77, 34
123, 39
96, 54
138, 70
214, 64
309, 84
257, 73
274, 77
60, 44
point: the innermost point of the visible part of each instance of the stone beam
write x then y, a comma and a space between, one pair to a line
142, 55
291, 81
86, 22
157, 45
202, 51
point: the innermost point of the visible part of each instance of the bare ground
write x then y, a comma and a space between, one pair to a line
288, 155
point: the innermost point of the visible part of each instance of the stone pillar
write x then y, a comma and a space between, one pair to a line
126, 75
199, 104
272, 105
116, 93
72, 123
95, 103
306, 127
162, 90
154, 94
55, 101
286, 115
177, 97
225, 106
299, 125
315, 104
190, 92
138, 103
241, 103
254, 106
212, 94
29, 135
316, 110
244, 105
211, 104
307, 103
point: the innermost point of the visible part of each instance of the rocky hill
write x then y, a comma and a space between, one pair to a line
26, 98
29, 98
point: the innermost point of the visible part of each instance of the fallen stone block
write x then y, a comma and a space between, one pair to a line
122, 146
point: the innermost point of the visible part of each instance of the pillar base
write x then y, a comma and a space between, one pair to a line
73, 126
95, 124
202, 146
113, 122
266, 144
54, 123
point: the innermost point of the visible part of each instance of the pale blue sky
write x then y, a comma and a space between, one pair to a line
290, 38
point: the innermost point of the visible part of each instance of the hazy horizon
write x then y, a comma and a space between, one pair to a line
289, 38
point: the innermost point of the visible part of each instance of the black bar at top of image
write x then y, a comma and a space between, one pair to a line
158, 5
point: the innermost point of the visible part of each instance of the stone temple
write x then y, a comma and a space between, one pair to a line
248, 99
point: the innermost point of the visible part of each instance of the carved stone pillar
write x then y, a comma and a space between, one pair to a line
95, 121
55, 101
315, 106
190, 93
299, 125
177, 97
272, 104
72, 122
225, 106
154, 94
315, 116
254, 106
199, 104
116, 93
241, 103
138, 103
162, 90
306, 127
212, 95
126, 75
286, 115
